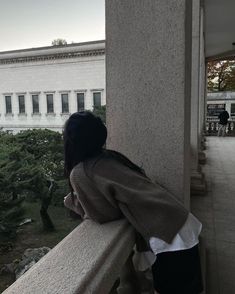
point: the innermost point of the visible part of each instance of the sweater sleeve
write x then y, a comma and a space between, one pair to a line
151, 209
74, 205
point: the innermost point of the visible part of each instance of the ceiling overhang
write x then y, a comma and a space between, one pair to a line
219, 29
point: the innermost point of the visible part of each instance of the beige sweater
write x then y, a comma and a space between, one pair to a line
107, 190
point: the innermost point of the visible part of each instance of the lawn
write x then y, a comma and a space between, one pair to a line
32, 235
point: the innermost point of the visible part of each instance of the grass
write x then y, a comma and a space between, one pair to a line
32, 236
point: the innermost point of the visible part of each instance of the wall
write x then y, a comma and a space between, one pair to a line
148, 68
56, 76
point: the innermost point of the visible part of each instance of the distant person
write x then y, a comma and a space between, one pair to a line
106, 186
223, 121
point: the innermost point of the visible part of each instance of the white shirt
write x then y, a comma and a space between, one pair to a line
186, 238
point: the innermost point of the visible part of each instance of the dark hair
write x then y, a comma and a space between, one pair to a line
84, 137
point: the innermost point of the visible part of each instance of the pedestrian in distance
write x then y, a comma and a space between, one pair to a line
223, 121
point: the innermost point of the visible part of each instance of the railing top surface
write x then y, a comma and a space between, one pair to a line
88, 260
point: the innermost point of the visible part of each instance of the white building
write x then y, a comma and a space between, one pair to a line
40, 87
219, 101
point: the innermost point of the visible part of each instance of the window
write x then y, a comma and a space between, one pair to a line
35, 102
65, 103
97, 99
232, 109
80, 101
50, 104
21, 104
8, 104
215, 109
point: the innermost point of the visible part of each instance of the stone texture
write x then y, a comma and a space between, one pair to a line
195, 85
87, 261
202, 79
216, 212
148, 70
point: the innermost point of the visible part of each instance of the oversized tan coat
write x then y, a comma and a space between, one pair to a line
108, 190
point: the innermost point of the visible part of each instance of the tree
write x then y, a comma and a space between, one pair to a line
47, 149
32, 165
11, 211
11, 214
101, 112
59, 42
221, 75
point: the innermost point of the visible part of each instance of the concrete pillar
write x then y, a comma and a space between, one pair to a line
202, 91
195, 141
202, 84
228, 107
148, 76
197, 177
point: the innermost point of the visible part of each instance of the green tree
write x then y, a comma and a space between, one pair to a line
101, 112
221, 75
32, 166
11, 213
59, 42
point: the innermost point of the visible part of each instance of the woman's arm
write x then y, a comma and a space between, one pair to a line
152, 210
74, 205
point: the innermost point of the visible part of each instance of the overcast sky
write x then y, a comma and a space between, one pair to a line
35, 23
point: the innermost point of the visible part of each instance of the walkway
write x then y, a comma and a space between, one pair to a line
216, 210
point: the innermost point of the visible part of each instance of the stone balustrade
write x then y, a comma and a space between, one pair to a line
89, 260
212, 126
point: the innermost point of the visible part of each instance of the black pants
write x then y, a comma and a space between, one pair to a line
178, 272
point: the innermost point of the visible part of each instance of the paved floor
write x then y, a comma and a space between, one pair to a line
216, 211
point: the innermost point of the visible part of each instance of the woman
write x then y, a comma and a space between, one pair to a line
106, 186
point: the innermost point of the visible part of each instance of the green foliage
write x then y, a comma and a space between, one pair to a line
59, 42
101, 112
11, 213
30, 162
221, 75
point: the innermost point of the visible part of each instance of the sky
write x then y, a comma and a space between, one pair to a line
35, 23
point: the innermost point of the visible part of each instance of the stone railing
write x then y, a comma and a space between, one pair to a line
212, 126
89, 260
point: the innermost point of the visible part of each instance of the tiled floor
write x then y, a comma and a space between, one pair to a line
216, 211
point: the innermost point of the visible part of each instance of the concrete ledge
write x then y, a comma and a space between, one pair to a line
201, 157
198, 184
88, 260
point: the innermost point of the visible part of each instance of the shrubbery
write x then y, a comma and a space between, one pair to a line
31, 166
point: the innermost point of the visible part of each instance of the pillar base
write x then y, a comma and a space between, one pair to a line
201, 157
203, 142
198, 183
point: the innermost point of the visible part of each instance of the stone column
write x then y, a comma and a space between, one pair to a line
202, 90
148, 76
195, 85
202, 76
197, 177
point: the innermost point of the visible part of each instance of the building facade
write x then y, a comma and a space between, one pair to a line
219, 101
41, 87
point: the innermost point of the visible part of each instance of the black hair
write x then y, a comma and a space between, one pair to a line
84, 138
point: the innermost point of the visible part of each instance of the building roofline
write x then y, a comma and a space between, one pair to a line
50, 53
52, 47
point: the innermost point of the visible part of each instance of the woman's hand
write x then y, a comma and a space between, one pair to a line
74, 204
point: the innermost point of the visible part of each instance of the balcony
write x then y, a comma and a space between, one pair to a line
216, 212
91, 258
212, 126
88, 260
